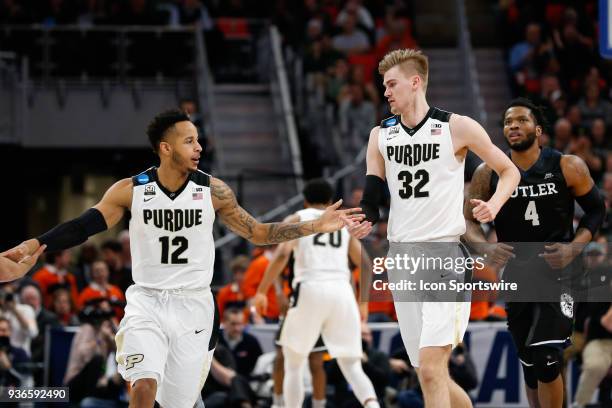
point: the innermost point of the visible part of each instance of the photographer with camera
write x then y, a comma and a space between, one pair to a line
99, 288
21, 317
91, 374
13, 360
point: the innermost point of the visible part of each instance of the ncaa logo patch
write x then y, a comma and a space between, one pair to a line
390, 122
567, 305
142, 179
132, 360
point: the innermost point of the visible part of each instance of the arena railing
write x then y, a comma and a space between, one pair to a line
472, 86
280, 82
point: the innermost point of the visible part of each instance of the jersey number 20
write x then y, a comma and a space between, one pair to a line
180, 242
406, 178
335, 239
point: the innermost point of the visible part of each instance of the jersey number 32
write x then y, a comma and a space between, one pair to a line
407, 190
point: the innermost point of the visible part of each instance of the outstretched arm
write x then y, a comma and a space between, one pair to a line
102, 216
276, 266
244, 224
468, 133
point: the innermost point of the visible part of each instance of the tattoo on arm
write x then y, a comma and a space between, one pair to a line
280, 231
233, 215
244, 224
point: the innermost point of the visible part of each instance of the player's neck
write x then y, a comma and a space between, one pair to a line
171, 178
415, 112
525, 159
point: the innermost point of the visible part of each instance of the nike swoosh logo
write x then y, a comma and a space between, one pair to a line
199, 331
149, 199
548, 363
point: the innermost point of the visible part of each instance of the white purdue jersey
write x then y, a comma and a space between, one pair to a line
321, 256
424, 178
171, 235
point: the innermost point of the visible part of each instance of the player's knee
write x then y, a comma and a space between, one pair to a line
315, 362
145, 387
430, 373
546, 363
529, 374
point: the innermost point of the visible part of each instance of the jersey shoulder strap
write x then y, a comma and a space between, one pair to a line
441, 115
391, 121
552, 158
145, 177
200, 178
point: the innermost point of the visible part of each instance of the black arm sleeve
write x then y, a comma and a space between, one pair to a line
594, 210
74, 232
372, 194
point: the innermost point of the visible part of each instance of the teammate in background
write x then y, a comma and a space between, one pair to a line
166, 338
11, 269
534, 217
421, 152
323, 302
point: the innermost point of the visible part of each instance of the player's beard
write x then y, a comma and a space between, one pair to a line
525, 144
180, 162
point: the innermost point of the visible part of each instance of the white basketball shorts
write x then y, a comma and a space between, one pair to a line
328, 309
166, 335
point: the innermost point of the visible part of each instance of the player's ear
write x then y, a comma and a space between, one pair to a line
164, 147
539, 130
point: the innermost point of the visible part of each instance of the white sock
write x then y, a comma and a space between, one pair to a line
277, 400
318, 403
359, 381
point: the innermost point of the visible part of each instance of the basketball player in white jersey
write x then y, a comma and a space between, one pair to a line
166, 338
420, 151
322, 304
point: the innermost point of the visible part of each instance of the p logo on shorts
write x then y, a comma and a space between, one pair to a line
132, 360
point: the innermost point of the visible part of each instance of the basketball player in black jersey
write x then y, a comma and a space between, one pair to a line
540, 210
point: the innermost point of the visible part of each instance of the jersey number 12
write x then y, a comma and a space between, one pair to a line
531, 214
180, 242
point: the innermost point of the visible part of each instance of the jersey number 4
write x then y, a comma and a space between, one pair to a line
531, 214
406, 178
180, 242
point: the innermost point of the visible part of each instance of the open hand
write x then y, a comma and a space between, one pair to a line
334, 219
260, 302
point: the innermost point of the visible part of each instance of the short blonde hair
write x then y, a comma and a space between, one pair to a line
410, 61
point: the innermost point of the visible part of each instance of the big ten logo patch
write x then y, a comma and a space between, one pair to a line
132, 360
149, 190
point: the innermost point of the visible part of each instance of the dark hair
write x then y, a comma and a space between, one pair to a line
318, 191
231, 311
536, 111
161, 123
